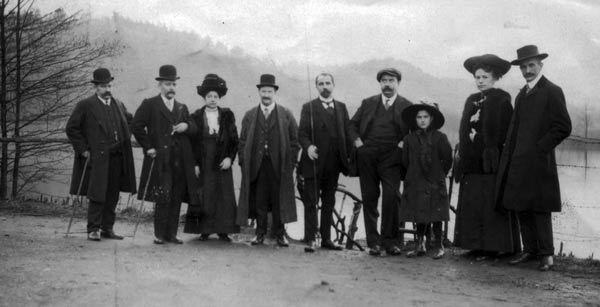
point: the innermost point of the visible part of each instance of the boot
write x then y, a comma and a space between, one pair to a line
419, 250
439, 254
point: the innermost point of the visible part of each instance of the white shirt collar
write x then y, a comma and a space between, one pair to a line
392, 99
330, 99
533, 82
104, 101
169, 103
269, 107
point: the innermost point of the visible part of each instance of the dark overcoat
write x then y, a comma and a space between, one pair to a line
288, 153
527, 176
322, 139
361, 122
227, 137
482, 155
427, 157
152, 126
87, 132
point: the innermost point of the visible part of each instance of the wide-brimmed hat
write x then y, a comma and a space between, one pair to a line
101, 75
167, 73
267, 80
528, 52
409, 115
502, 66
212, 82
390, 72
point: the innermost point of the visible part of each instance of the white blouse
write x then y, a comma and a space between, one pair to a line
212, 119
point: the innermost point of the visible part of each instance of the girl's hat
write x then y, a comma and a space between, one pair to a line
409, 114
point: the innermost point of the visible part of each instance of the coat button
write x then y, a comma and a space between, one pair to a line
165, 147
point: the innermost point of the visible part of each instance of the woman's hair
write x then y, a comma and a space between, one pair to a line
204, 96
489, 69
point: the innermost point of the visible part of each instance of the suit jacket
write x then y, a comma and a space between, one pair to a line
152, 126
528, 178
322, 139
288, 153
86, 131
362, 120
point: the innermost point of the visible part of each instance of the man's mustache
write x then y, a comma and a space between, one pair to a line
387, 88
171, 92
529, 75
107, 94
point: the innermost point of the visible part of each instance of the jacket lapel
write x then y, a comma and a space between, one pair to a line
163, 108
370, 113
97, 109
320, 111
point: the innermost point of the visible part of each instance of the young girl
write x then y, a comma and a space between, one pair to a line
427, 156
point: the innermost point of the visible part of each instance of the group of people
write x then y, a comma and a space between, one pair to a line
505, 163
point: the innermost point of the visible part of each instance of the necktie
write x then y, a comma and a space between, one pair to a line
387, 103
527, 88
329, 108
266, 112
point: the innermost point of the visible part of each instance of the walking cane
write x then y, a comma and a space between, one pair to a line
314, 163
139, 217
77, 197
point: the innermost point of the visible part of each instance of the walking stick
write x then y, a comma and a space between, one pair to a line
77, 197
447, 242
139, 217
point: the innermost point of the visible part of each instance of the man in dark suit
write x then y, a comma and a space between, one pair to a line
99, 132
268, 150
377, 131
528, 179
162, 126
322, 136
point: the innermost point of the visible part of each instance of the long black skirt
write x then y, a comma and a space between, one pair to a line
479, 226
218, 198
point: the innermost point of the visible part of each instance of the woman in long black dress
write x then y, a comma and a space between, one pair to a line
480, 227
215, 148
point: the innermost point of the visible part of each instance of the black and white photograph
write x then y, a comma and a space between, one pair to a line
299, 153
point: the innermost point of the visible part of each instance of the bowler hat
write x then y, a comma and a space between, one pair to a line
528, 52
409, 115
390, 72
267, 80
101, 75
167, 73
212, 82
502, 66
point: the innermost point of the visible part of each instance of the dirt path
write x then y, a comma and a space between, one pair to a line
39, 267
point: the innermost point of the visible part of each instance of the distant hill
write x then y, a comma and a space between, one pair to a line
148, 46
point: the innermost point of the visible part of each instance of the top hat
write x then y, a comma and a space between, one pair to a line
528, 52
390, 72
212, 82
167, 73
409, 115
267, 80
101, 75
502, 66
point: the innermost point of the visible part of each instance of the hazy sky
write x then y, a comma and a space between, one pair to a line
436, 36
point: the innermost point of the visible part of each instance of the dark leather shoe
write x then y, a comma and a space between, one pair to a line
224, 237
175, 240
393, 251
524, 257
282, 241
94, 236
159, 241
203, 237
375, 250
110, 235
311, 246
328, 244
546, 263
258, 240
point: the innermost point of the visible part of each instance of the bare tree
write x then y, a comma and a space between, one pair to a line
46, 63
